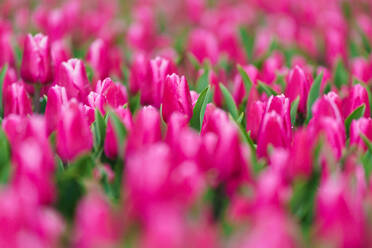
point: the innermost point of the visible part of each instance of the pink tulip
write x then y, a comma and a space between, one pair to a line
111, 142
74, 136
99, 58
36, 61
115, 94
57, 97
358, 127
357, 96
176, 97
95, 224
161, 68
146, 129
140, 74
270, 220
254, 116
203, 45
339, 215
298, 84
73, 77
275, 127
16, 100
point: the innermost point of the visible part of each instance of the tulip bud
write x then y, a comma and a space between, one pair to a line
176, 97
74, 136
115, 94
357, 96
97, 101
270, 68
140, 74
57, 97
99, 58
161, 68
203, 45
327, 106
339, 215
73, 77
146, 129
358, 127
360, 69
275, 127
36, 61
298, 85
301, 154
95, 224
16, 100
111, 142
254, 116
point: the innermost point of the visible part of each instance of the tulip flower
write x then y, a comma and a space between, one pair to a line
111, 142
99, 58
73, 77
176, 97
16, 100
146, 129
95, 223
358, 127
357, 96
203, 45
114, 94
74, 136
298, 85
339, 215
57, 97
140, 74
275, 127
36, 61
254, 116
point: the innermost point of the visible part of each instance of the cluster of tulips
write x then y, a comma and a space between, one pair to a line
185, 123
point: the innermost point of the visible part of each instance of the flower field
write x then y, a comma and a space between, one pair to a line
185, 123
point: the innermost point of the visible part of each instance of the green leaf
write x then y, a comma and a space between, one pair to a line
135, 102
2, 77
99, 127
294, 108
247, 41
366, 141
120, 130
70, 191
313, 95
203, 80
231, 106
5, 166
262, 87
246, 80
356, 114
90, 72
81, 167
196, 121
341, 75
240, 118
303, 199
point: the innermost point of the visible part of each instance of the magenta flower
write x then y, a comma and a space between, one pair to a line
74, 136
16, 100
36, 61
275, 127
176, 97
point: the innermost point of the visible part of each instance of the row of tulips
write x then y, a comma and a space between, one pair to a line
185, 123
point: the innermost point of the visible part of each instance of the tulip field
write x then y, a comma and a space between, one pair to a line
185, 123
